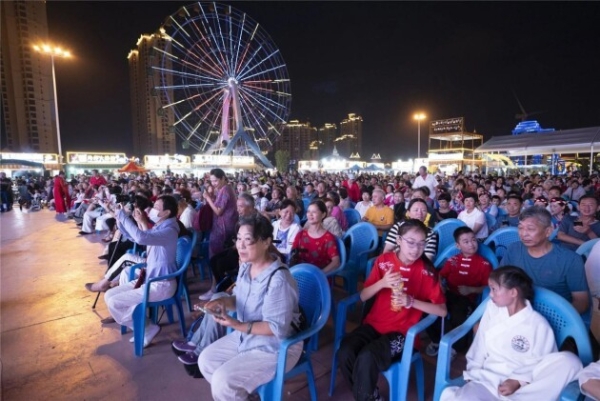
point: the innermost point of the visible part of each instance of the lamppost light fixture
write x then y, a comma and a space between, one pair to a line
419, 117
54, 51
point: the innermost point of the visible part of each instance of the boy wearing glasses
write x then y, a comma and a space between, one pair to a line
464, 276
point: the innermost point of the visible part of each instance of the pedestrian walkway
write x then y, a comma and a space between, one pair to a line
53, 346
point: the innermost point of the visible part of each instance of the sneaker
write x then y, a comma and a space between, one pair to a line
150, 332
432, 349
183, 346
189, 358
206, 296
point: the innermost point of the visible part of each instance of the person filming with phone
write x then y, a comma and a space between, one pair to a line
574, 231
265, 300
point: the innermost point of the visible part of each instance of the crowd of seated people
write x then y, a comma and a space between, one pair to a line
255, 222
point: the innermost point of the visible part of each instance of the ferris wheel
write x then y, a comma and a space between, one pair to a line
224, 79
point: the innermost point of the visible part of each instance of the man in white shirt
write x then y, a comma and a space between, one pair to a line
425, 180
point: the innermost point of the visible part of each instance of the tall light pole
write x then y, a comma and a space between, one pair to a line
419, 117
53, 52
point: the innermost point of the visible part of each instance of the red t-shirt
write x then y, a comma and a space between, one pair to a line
418, 283
472, 272
316, 251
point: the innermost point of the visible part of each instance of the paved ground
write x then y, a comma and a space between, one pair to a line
53, 346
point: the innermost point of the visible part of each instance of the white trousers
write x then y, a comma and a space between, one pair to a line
550, 377
88, 219
232, 375
122, 300
101, 221
132, 257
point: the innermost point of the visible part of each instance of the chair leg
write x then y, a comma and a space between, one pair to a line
419, 374
310, 377
333, 373
139, 329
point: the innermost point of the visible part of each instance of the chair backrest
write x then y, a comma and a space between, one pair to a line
362, 239
585, 248
501, 239
314, 297
445, 230
352, 217
565, 321
184, 251
306, 202
452, 250
490, 221
342, 250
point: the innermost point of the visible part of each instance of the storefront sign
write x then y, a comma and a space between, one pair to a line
46, 158
96, 158
164, 161
447, 126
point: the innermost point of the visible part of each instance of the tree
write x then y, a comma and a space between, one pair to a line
282, 160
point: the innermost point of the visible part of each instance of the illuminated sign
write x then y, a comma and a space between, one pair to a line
243, 160
311, 165
212, 160
445, 156
96, 158
447, 126
46, 158
162, 161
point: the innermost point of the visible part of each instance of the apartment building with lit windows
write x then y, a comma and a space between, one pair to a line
152, 124
28, 121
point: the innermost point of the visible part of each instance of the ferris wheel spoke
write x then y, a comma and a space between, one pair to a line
249, 42
195, 108
209, 30
166, 106
227, 61
277, 67
258, 97
239, 42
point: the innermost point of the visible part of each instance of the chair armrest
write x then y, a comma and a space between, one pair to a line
571, 392
341, 314
133, 268
445, 349
412, 333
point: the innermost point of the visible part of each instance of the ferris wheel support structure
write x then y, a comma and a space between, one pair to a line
232, 94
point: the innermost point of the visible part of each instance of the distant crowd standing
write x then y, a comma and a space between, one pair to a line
255, 223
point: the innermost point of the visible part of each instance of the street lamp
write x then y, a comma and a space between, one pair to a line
419, 117
53, 52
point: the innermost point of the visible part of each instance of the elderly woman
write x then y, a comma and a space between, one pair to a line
224, 212
161, 242
265, 299
314, 244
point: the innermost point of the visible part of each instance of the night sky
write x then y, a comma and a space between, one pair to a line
382, 60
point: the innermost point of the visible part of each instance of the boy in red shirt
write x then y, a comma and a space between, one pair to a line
465, 275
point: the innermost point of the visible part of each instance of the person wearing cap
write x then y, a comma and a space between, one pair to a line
427, 180
352, 187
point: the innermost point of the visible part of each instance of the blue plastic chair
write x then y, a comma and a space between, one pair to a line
315, 300
201, 260
398, 374
501, 239
491, 222
180, 258
445, 230
452, 250
585, 248
184, 254
352, 217
362, 240
561, 315
306, 202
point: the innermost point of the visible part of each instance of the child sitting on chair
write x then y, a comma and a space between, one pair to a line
402, 286
514, 354
465, 275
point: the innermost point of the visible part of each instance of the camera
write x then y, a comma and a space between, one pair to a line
124, 199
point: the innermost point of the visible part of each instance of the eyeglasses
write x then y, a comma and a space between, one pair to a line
246, 241
414, 244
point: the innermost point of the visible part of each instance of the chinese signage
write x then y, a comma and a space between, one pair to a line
96, 158
222, 160
449, 125
445, 156
163, 161
46, 158
311, 165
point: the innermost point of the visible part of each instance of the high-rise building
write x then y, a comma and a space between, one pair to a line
350, 139
152, 134
327, 134
29, 123
296, 139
